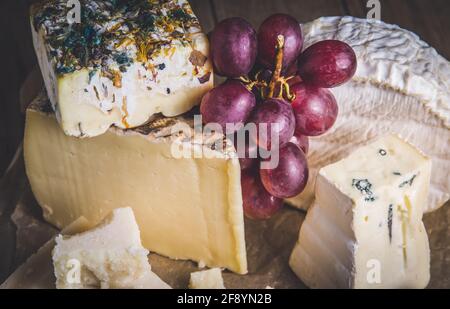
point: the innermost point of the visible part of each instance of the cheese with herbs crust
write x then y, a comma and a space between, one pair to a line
124, 62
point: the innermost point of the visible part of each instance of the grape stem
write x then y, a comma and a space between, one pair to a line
250, 84
285, 86
268, 91
278, 65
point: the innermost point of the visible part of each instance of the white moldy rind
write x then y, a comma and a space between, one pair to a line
390, 57
401, 86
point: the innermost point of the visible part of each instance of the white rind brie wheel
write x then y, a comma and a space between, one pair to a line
401, 86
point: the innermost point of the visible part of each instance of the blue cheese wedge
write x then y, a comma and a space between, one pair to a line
207, 279
109, 256
402, 85
184, 188
365, 228
124, 62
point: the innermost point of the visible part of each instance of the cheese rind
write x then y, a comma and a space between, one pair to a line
207, 279
365, 228
187, 208
401, 85
141, 72
109, 256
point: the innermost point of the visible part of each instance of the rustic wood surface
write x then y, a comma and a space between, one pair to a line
428, 18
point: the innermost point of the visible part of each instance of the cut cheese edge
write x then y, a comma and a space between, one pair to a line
188, 208
365, 228
108, 256
401, 85
207, 279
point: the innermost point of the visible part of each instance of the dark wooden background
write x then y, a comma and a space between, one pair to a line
430, 19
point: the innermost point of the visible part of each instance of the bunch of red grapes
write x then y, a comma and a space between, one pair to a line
271, 81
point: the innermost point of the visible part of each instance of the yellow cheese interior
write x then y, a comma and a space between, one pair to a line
185, 208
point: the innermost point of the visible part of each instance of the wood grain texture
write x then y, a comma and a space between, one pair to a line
10, 118
255, 11
205, 13
428, 19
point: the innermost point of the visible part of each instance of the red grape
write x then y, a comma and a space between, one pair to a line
265, 75
289, 178
315, 110
301, 142
258, 203
327, 64
270, 29
230, 102
266, 115
248, 154
233, 47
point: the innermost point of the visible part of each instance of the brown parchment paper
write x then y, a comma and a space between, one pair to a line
269, 243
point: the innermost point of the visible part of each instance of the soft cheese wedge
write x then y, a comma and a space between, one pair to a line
186, 208
402, 85
207, 279
365, 228
109, 256
124, 62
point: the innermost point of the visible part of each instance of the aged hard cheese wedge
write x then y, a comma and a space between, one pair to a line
365, 228
186, 208
123, 63
402, 85
109, 256
207, 279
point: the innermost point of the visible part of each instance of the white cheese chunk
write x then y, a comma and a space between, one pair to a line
109, 256
91, 98
186, 208
207, 279
365, 228
402, 85
37, 271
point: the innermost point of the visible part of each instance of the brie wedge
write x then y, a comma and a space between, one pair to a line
187, 205
124, 62
365, 228
109, 256
402, 85
207, 279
